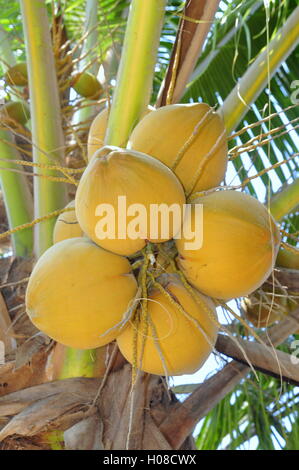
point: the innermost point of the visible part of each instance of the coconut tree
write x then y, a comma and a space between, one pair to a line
241, 58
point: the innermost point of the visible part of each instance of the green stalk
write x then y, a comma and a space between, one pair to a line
90, 44
16, 193
256, 78
17, 196
282, 204
285, 201
70, 362
78, 363
7, 56
136, 69
47, 135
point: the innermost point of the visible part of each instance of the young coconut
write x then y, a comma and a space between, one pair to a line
17, 75
87, 85
184, 333
97, 131
118, 184
18, 111
239, 246
188, 138
77, 292
67, 225
288, 259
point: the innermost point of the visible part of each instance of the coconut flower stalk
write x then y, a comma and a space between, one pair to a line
47, 134
89, 47
8, 58
90, 43
136, 69
17, 197
285, 201
259, 73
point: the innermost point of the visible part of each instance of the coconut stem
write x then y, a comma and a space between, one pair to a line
70, 362
136, 69
17, 197
285, 201
256, 78
90, 47
7, 55
90, 43
47, 135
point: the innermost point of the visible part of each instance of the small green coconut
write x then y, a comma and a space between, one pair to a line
17, 110
87, 85
17, 75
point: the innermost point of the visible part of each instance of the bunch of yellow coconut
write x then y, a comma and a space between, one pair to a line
153, 286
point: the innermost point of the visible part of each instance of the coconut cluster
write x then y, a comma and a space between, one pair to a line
155, 293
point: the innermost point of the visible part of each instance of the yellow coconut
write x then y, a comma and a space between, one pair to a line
97, 131
87, 85
17, 111
239, 246
67, 225
17, 75
184, 340
77, 292
119, 197
192, 133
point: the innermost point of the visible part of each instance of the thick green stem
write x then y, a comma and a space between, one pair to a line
90, 43
90, 46
136, 69
7, 56
70, 362
16, 193
285, 201
17, 197
47, 135
281, 204
256, 78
